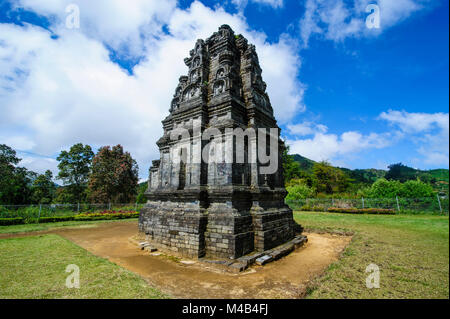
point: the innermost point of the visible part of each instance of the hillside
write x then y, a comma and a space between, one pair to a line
305, 163
440, 174
439, 178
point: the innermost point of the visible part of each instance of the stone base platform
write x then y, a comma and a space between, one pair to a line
244, 262
259, 258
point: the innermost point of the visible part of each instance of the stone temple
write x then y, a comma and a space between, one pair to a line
217, 209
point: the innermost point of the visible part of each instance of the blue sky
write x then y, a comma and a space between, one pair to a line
357, 97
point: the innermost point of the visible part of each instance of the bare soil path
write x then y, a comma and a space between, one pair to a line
285, 278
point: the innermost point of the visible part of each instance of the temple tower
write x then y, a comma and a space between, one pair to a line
209, 195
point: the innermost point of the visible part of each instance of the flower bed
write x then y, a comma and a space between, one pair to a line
361, 211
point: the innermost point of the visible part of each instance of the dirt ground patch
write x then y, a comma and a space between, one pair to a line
285, 278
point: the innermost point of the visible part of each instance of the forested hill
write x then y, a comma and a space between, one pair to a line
438, 177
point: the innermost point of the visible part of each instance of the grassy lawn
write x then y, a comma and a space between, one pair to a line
47, 226
34, 267
411, 251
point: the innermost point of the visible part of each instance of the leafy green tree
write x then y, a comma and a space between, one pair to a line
44, 188
401, 173
114, 176
416, 189
15, 182
299, 189
21, 186
291, 168
64, 195
8, 160
141, 199
382, 188
74, 168
329, 179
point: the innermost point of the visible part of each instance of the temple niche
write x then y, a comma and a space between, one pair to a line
203, 205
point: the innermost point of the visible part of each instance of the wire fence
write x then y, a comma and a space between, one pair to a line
436, 205
32, 213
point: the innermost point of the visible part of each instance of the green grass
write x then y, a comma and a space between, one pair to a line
34, 267
411, 251
47, 226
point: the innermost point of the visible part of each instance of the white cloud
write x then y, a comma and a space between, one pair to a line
241, 4
337, 20
18, 142
39, 164
416, 122
430, 131
272, 3
306, 128
329, 147
128, 29
58, 92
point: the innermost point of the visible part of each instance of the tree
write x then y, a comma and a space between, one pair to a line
416, 189
15, 182
8, 160
383, 188
299, 189
21, 186
114, 176
74, 168
44, 188
291, 168
401, 173
64, 195
141, 199
329, 179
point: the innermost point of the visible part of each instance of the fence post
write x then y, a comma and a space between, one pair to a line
109, 206
363, 202
398, 206
439, 201
78, 208
40, 208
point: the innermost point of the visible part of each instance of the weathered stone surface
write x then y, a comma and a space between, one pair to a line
151, 249
251, 258
238, 267
263, 260
143, 245
212, 208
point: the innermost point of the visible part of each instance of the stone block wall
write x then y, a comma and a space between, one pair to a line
171, 228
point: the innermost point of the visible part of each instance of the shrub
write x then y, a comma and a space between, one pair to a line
361, 211
299, 191
55, 219
307, 208
383, 188
11, 221
106, 214
416, 189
